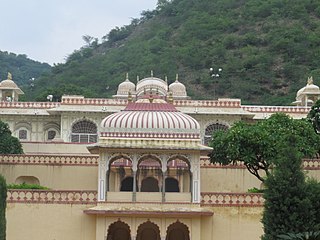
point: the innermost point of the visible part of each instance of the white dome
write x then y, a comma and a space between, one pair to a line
178, 89
150, 120
8, 84
125, 87
156, 84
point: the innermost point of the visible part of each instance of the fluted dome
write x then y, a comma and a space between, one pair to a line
178, 89
125, 87
156, 84
9, 84
150, 120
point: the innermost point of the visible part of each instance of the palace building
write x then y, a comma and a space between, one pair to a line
132, 167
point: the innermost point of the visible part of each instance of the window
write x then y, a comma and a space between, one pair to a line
23, 134
211, 129
51, 134
84, 132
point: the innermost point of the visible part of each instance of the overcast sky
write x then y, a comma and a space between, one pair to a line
49, 30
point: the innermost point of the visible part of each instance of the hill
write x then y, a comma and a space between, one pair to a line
265, 48
21, 67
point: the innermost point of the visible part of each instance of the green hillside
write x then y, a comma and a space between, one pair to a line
266, 49
21, 67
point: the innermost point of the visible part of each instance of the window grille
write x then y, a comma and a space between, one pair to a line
84, 132
51, 134
211, 129
23, 134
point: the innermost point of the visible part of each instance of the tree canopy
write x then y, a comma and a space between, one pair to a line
290, 206
8, 143
3, 204
257, 145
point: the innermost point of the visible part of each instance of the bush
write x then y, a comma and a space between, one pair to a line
25, 186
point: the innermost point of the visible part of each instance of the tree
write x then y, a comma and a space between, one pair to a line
314, 116
257, 145
3, 204
8, 143
287, 207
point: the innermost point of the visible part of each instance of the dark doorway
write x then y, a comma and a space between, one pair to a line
127, 184
172, 185
119, 231
149, 184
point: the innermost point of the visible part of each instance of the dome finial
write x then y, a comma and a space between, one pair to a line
151, 73
177, 77
127, 76
310, 80
166, 78
138, 78
9, 76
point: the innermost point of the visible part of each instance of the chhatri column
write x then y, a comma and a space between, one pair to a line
195, 175
102, 176
134, 170
164, 169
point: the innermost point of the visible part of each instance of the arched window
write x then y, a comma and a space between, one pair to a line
84, 132
149, 184
23, 134
28, 180
211, 129
172, 185
119, 230
51, 134
148, 230
177, 231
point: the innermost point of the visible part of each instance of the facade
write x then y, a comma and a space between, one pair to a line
133, 166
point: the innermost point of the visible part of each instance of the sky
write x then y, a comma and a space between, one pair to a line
49, 30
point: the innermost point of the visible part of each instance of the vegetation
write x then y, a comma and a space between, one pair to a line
289, 206
3, 205
8, 143
257, 145
265, 48
22, 68
314, 116
25, 186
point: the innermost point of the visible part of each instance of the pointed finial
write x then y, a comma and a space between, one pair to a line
177, 77
151, 73
310, 80
127, 76
9, 76
138, 78
166, 78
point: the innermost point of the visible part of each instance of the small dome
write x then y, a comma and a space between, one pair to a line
178, 89
8, 84
156, 84
125, 87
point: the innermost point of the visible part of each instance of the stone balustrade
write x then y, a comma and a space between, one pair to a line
4, 104
51, 196
271, 109
90, 197
49, 159
232, 199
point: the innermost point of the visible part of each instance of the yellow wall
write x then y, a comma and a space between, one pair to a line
49, 221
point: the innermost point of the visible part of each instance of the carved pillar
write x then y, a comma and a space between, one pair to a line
195, 175
134, 172
164, 174
102, 175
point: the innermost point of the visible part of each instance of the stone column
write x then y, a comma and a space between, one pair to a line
164, 174
134, 171
195, 174
102, 175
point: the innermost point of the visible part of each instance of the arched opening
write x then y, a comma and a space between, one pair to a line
28, 180
150, 184
178, 174
120, 174
211, 129
118, 231
127, 184
148, 231
149, 174
84, 131
177, 231
172, 185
